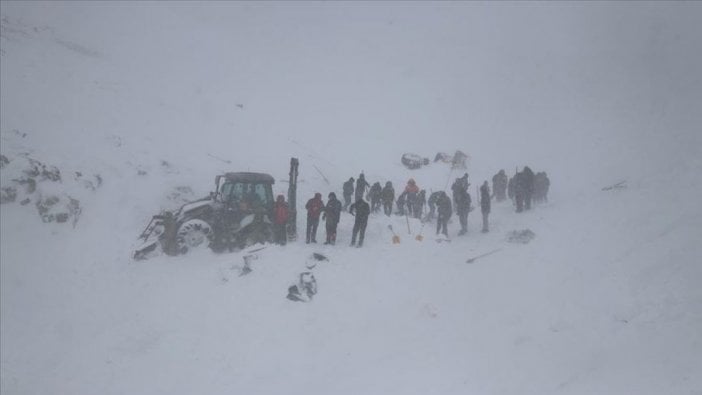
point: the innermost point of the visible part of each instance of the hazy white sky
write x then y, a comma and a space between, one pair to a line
502, 74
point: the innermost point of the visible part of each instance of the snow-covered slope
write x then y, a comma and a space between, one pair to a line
143, 99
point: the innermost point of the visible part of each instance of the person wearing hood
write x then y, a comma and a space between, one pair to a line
444, 210
361, 186
332, 214
388, 197
499, 185
314, 207
374, 197
360, 210
411, 192
280, 220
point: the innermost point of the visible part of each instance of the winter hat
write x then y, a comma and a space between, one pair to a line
317, 195
281, 198
332, 195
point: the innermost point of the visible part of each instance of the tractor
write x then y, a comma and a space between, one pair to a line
236, 215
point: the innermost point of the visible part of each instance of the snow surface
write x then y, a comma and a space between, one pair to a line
155, 96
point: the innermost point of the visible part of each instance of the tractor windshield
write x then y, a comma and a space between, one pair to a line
250, 194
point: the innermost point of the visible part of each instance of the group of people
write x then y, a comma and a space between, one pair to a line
523, 188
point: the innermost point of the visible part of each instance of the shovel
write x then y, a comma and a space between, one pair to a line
395, 237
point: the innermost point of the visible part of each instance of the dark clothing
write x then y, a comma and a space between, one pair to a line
374, 196
388, 197
332, 214
462, 200
314, 207
499, 185
418, 205
541, 185
361, 185
401, 203
348, 193
444, 210
485, 205
520, 189
433, 198
485, 199
361, 210
529, 187
510, 188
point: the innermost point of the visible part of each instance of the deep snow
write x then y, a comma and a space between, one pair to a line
605, 299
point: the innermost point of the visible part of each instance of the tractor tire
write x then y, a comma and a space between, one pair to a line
192, 234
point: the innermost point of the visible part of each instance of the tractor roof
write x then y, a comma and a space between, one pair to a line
249, 177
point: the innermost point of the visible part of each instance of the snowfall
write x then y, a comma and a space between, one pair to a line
138, 106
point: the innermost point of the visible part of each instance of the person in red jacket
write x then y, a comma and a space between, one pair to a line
314, 207
280, 220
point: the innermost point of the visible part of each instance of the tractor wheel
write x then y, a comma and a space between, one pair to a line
193, 234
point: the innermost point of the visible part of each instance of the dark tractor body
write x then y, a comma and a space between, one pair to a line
236, 215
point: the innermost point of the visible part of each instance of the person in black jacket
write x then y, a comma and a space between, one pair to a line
388, 197
332, 214
529, 187
499, 185
361, 186
348, 192
433, 198
361, 210
485, 204
374, 197
444, 210
314, 207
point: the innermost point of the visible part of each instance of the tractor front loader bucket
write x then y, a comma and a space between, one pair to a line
159, 235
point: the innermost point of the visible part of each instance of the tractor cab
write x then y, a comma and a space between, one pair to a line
245, 192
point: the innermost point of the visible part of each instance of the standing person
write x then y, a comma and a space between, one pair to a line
528, 186
401, 202
419, 202
433, 198
462, 201
361, 185
547, 185
332, 214
499, 185
519, 190
280, 220
485, 204
444, 210
388, 197
510, 188
348, 192
374, 197
361, 210
314, 207
411, 191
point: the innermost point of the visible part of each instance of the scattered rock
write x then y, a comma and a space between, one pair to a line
8, 194
520, 236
